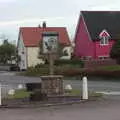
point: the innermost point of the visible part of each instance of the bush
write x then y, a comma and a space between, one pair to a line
37, 71
68, 70
70, 62
39, 66
115, 51
32, 86
105, 73
38, 96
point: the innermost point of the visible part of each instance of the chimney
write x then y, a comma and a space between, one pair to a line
39, 26
44, 24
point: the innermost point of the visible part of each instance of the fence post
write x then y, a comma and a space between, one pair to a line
85, 89
0, 94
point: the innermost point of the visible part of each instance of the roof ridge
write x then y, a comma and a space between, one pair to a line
99, 11
96, 21
42, 27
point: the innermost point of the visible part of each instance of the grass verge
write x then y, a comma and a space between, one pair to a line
21, 94
109, 68
76, 92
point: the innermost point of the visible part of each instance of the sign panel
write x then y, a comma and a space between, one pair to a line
50, 44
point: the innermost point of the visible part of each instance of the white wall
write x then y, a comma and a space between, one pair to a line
32, 56
69, 50
22, 53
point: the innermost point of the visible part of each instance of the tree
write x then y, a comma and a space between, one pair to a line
115, 51
7, 51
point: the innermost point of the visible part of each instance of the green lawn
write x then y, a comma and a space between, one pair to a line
77, 92
110, 68
19, 94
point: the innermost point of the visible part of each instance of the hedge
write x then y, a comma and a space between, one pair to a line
70, 62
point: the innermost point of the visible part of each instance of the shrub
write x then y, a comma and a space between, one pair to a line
69, 62
68, 70
115, 51
38, 96
104, 73
39, 66
37, 71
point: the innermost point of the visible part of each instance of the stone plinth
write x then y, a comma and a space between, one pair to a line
52, 84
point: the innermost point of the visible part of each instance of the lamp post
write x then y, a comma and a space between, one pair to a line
50, 46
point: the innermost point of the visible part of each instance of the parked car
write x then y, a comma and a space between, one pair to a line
14, 67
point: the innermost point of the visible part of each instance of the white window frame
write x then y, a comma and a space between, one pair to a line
87, 57
104, 40
103, 57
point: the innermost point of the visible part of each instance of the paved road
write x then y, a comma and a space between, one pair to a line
10, 79
105, 109
96, 85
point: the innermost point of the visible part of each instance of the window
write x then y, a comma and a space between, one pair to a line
104, 40
87, 58
103, 57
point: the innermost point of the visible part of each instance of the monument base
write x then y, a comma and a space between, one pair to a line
52, 84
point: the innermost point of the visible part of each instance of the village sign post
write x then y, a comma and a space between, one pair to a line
50, 47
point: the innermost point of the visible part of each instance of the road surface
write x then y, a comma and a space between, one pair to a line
104, 109
96, 84
12, 80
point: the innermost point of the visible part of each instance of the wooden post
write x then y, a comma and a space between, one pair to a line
51, 63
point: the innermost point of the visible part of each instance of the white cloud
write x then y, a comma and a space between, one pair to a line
18, 22
16, 13
111, 6
7, 0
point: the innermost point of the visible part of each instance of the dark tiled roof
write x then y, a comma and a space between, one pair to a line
32, 35
97, 21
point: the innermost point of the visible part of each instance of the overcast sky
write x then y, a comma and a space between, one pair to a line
18, 13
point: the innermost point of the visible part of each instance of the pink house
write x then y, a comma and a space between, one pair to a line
95, 34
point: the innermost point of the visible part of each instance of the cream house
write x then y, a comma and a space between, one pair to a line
28, 42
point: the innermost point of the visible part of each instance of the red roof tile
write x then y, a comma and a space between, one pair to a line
32, 35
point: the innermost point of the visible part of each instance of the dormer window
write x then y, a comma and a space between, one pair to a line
104, 38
